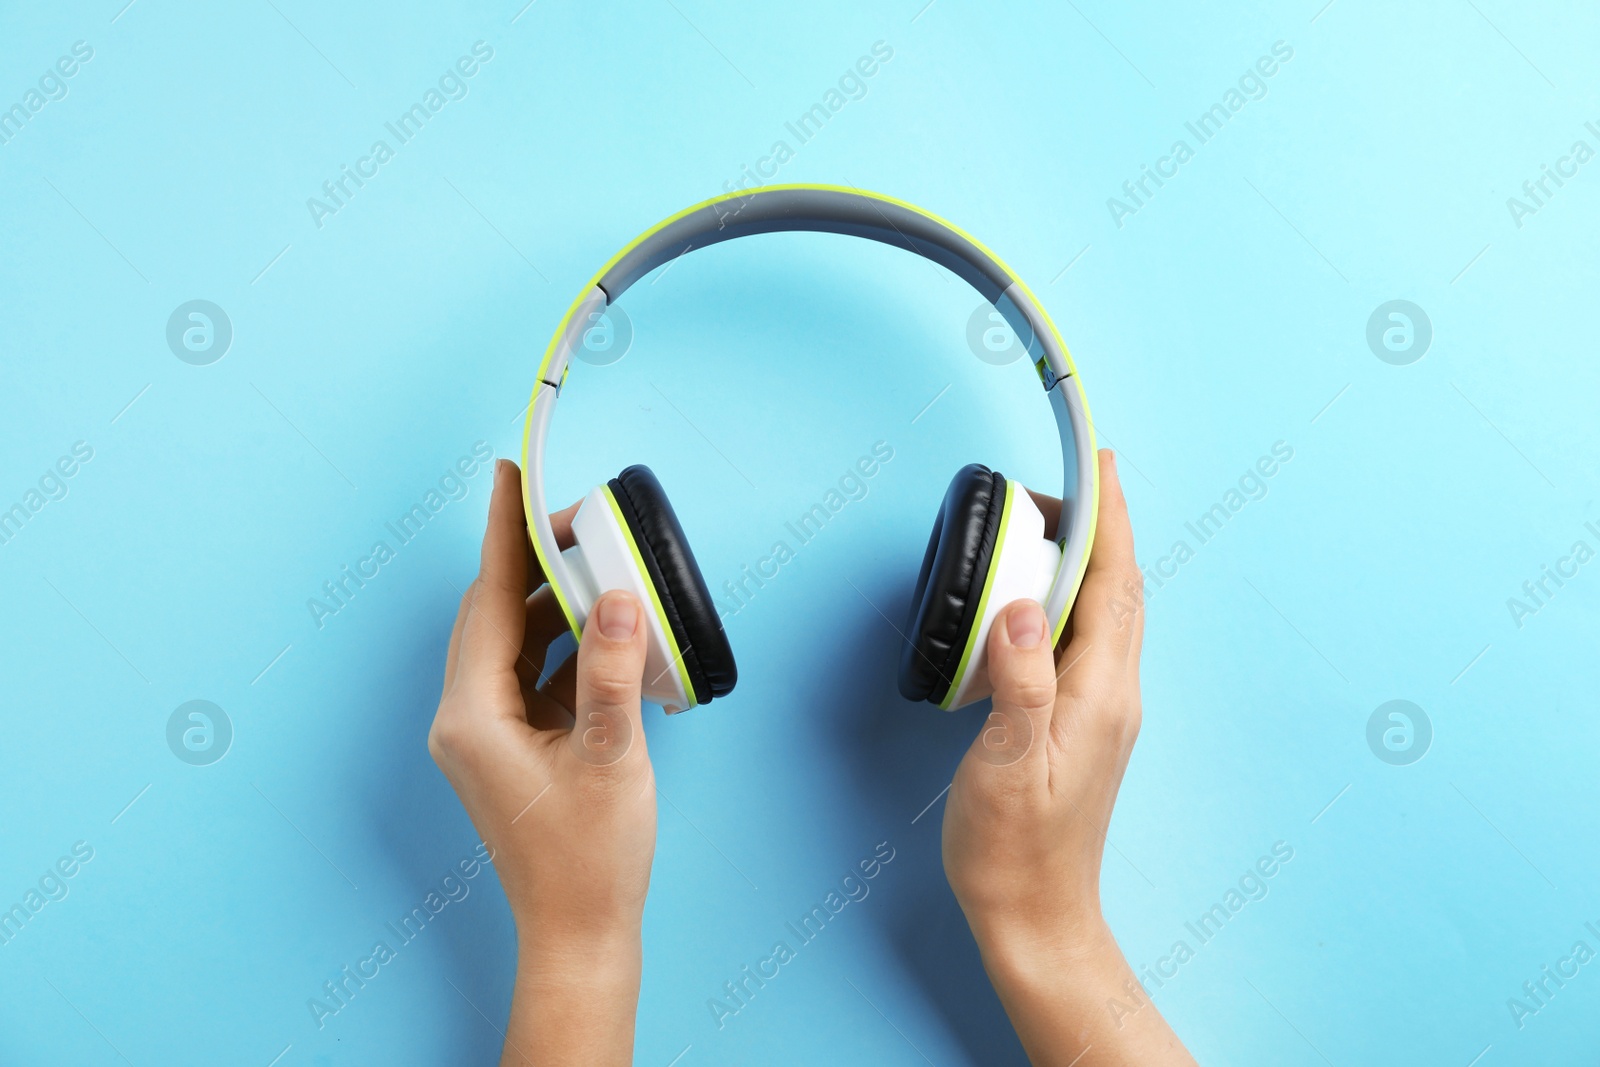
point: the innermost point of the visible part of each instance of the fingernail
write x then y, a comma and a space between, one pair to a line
1025, 625
619, 615
500, 466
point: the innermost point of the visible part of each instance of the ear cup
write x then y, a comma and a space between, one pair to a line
707, 657
944, 606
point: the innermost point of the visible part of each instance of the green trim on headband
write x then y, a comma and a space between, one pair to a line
527, 513
800, 187
1059, 626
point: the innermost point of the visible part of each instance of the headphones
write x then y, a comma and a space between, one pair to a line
989, 545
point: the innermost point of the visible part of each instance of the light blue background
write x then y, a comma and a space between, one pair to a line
1229, 313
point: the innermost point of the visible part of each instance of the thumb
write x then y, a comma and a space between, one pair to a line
611, 659
1022, 671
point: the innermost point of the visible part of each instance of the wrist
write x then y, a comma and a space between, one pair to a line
590, 958
576, 997
1024, 955
1069, 990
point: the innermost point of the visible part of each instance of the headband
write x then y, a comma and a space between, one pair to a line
832, 209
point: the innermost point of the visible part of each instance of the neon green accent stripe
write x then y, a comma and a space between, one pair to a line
595, 281
655, 600
983, 599
1060, 625
527, 513
527, 432
561, 330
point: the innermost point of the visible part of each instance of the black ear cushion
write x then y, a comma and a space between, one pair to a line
944, 606
707, 657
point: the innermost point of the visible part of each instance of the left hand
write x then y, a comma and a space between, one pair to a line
568, 811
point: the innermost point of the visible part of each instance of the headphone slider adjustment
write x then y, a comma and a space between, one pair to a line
1047, 373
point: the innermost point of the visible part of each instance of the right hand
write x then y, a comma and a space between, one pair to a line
1025, 825
1024, 828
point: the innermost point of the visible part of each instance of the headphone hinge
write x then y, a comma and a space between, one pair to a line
1047, 374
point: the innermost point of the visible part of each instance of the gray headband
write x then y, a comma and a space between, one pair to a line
830, 209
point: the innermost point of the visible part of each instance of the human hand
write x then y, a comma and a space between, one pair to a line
1025, 823
568, 811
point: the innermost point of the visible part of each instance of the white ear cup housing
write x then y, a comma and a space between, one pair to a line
605, 558
1024, 565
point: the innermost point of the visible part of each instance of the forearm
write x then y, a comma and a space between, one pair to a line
575, 1000
1075, 1001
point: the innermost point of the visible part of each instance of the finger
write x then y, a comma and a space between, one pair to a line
537, 640
548, 701
1108, 617
1023, 675
1050, 508
561, 525
491, 639
562, 685
611, 672
544, 622
453, 653
545, 712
